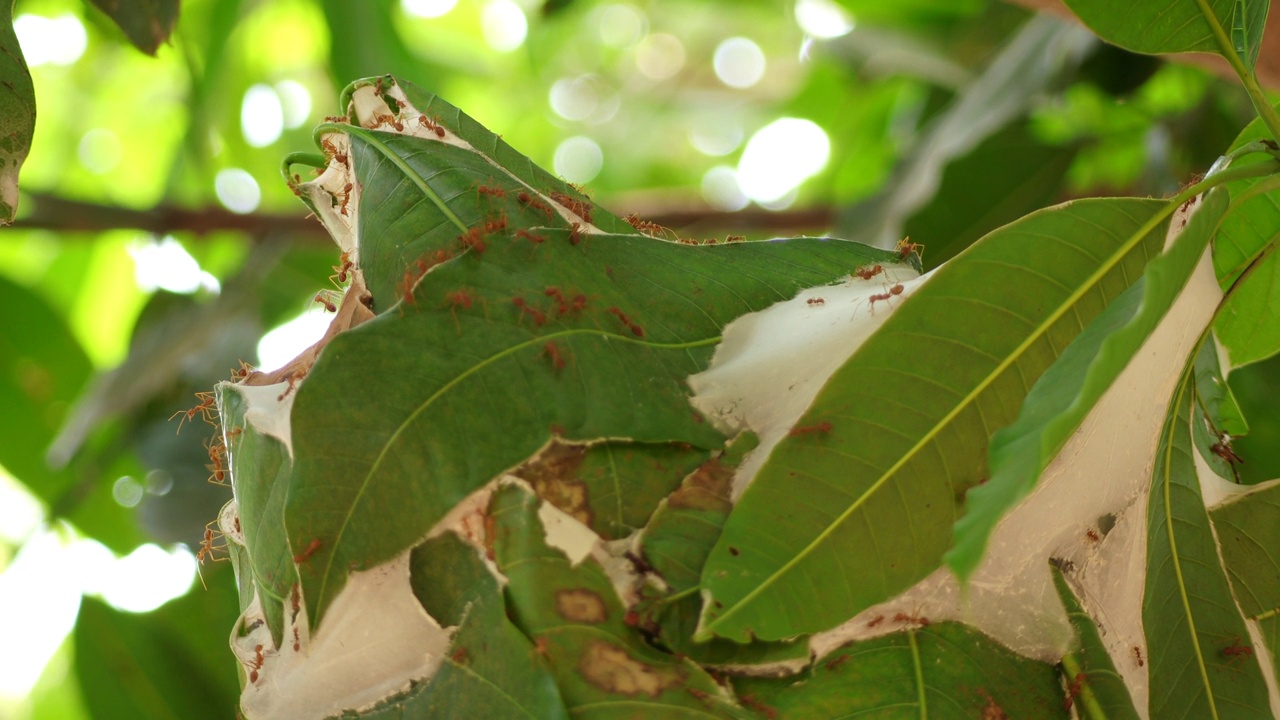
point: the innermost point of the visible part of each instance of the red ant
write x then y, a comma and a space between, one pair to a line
337, 120
433, 126
1236, 651
496, 192
473, 239
528, 201
297, 644
539, 318
341, 270
306, 554
869, 271
875, 621
256, 664
1137, 653
816, 301
207, 548
918, 620
575, 236
734, 238
1073, 691
832, 665
906, 247
577, 207
328, 305
346, 197
206, 408
459, 299
1092, 534
823, 427
241, 372
535, 239
553, 352
895, 290
331, 149
634, 327
651, 229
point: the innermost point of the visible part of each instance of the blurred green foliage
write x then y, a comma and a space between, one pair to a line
136, 141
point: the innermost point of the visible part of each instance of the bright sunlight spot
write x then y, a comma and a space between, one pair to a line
739, 62
620, 25
427, 8
40, 590
99, 151
721, 190
168, 266
823, 18
780, 156
504, 25
660, 56
237, 190
578, 159
295, 101
284, 343
261, 116
55, 41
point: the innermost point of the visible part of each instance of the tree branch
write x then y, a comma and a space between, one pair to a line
52, 212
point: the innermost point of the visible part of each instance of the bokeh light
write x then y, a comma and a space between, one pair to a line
427, 8
50, 41
780, 156
739, 62
823, 18
660, 56
578, 159
504, 25
237, 190
261, 116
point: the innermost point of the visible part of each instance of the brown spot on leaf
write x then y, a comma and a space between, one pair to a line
581, 606
707, 488
613, 670
554, 477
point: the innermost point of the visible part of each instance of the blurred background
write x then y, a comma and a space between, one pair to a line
157, 246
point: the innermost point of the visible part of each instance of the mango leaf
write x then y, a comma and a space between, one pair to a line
1200, 658
577, 621
1217, 416
147, 23
1174, 26
17, 113
610, 487
1101, 692
844, 518
376, 468
1069, 389
1249, 534
1244, 326
41, 374
492, 670
168, 663
944, 670
259, 466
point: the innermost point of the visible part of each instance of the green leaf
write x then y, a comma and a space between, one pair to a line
1068, 390
377, 468
840, 520
41, 374
492, 670
169, 663
1102, 692
147, 23
1174, 26
259, 466
17, 113
1199, 656
610, 487
1019, 174
1218, 418
1249, 535
945, 670
603, 668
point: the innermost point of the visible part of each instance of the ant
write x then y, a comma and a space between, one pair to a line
832, 665
306, 554
575, 236
474, 239
1092, 534
346, 198
528, 201
256, 664
895, 290
331, 149
634, 327
816, 301
868, 271
1236, 652
875, 621
918, 620
1137, 653
1073, 691
535, 239
241, 372
328, 304
206, 408
496, 192
823, 427
553, 352
207, 548
342, 269
905, 248
459, 299
577, 207
539, 318
432, 125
